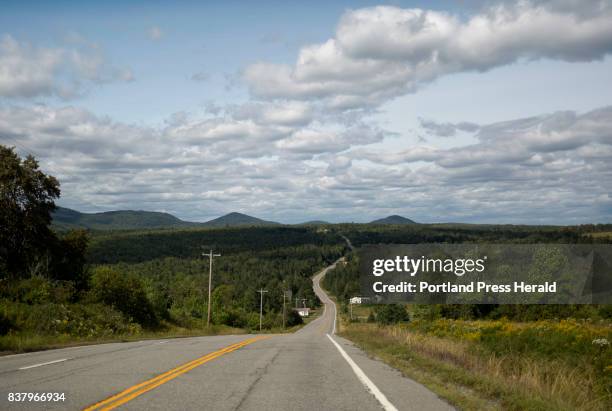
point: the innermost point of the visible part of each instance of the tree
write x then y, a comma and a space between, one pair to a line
26, 201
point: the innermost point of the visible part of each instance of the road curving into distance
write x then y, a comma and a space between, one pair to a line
306, 370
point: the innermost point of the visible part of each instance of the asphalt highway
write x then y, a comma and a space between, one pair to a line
312, 369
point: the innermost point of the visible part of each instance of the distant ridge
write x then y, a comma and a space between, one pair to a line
237, 219
315, 222
393, 219
67, 218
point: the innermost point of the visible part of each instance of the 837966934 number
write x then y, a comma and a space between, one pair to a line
36, 397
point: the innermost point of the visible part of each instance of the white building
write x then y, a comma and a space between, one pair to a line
304, 312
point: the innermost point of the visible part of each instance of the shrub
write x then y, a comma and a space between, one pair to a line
77, 320
125, 293
293, 318
5, 324
392, 314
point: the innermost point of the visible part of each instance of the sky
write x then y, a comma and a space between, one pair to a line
443, 111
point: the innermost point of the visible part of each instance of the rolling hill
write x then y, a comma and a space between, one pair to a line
65, 218
237, 219
393, 220
315, 222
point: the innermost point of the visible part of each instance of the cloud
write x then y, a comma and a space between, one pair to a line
290, 113
313, 141
447, 129
306, 145
155, 33
551, 168
382, 52
27, 71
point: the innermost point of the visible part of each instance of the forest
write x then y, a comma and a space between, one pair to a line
344, 281
58, 286
557, 357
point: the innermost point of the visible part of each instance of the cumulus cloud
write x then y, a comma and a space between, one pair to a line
382, 52
27, 71
550, 168
307, 140
528, 141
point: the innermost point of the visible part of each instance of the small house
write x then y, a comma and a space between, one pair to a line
303, 312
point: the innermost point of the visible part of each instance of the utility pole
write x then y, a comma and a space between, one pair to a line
351, 308
261, 293
284, 320
210, 256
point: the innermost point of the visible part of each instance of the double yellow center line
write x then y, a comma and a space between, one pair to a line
139, 389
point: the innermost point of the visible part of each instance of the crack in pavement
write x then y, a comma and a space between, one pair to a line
263, 372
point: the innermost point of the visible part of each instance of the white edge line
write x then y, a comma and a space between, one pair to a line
44, 363
382, 399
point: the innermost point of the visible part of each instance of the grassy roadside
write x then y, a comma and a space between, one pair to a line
21, 343
513, 371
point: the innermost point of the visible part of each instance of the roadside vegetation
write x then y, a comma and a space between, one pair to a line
514, 357
64, 287
543, 365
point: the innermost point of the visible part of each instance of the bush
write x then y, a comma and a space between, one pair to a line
77, 320
392, 314
5, 324
293, 318
125, 293
34, 290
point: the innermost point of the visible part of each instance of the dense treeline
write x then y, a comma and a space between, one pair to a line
95, 285
139, 246
343, 282
178, 287
466, 233
174, 273
173, 291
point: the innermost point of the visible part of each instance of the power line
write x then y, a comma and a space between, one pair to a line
210, 256
261, 293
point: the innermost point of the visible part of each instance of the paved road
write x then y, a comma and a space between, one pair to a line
308, 370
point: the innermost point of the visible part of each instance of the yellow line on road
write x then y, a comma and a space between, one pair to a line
143, 387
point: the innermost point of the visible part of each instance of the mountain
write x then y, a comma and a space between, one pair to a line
65, 218
116, 220
237, 219
314, 222
393, 219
